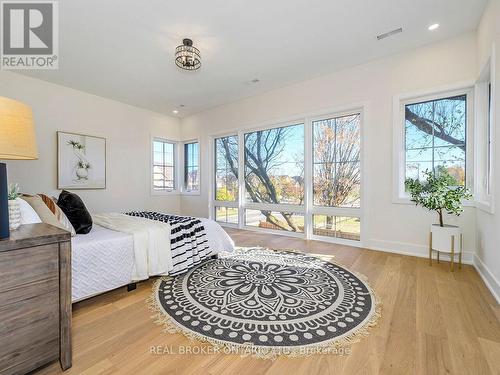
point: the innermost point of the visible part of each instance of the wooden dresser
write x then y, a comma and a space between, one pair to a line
35, 298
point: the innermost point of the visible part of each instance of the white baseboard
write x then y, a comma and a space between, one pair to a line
489, 279
413, 250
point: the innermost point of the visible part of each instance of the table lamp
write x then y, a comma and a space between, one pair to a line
17, 142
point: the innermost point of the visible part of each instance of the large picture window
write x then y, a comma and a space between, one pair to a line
435, 137
336, 158
226, 190
274, 165
302, 178
274, 175
226, 168
163, 165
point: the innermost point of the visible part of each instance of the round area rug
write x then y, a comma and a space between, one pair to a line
267, 303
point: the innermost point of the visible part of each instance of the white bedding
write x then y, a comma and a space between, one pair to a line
101, 260
151, 242
104, 259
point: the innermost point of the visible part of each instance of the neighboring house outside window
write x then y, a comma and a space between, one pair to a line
163, 165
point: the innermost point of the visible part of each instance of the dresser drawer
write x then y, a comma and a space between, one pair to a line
29, 308
35, 298
26, 266
29, 332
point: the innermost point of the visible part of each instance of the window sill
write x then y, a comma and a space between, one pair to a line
195, 193
407, 201
159, 193
485, 206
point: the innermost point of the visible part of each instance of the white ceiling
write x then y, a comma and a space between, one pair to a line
123, 49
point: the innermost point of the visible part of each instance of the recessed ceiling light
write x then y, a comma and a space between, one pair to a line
434, 26
175, 111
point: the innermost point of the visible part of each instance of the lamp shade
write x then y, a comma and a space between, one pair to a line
17, 131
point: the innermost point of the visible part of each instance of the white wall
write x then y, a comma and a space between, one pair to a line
128, 132
389, 226
488, 224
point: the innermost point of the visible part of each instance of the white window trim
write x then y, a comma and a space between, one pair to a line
156, 192
483, 200
182, 181
399, 153
307, 209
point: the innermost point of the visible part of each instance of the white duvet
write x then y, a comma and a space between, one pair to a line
151, 242
121, 249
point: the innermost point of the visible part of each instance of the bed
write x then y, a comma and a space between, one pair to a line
104, 259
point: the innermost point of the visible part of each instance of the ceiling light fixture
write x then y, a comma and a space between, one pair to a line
434, 26
175, 111
187, 57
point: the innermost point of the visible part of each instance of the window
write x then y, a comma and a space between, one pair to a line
226, 168
274, 165
483, 138
191, 167
163, 165
226, 180
285, 221
226, 215
489, 140
336, 159
274, 175
336, 176
302, 178
435, 137
337, 226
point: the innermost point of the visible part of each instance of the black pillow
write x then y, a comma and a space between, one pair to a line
73, 207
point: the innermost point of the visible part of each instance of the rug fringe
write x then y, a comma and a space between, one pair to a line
334, 346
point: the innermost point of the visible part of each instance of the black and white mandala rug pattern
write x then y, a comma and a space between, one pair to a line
279, 302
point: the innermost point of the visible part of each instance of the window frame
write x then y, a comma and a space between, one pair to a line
183, 188
296, 208
485, 122
307, 209
356, 212
214, 169
400, 196
174, 191
213, 203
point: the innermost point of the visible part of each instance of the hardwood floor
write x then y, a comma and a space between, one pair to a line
433, 322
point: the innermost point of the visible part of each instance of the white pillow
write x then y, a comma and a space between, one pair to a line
28, 214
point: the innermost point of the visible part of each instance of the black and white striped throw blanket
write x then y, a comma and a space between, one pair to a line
188, 239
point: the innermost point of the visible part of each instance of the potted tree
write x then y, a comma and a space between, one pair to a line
440, 193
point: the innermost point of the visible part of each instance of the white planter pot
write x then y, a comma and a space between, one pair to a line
82, 173
441, 238
14, 214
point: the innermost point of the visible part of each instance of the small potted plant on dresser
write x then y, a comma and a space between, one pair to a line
440, 193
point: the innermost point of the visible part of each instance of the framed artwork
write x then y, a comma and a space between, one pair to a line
81, 161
